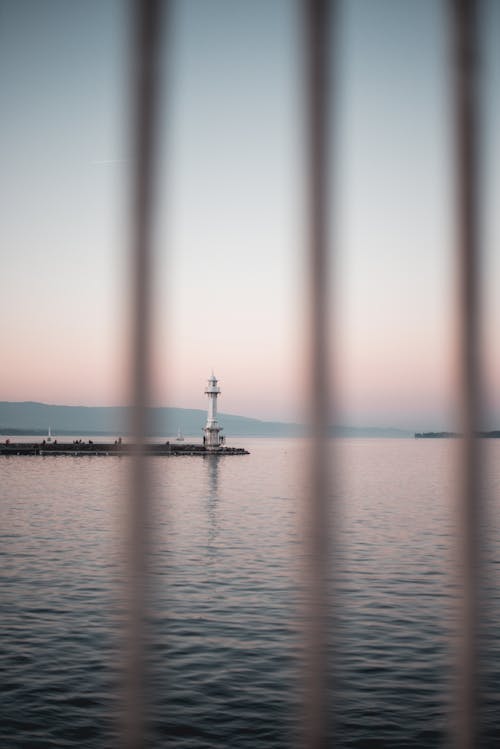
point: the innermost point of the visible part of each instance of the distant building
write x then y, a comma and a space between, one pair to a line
212, 437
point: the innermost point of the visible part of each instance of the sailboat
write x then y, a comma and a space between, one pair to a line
180, 436
49, 436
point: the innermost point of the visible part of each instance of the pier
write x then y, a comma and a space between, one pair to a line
214, 442
117, 448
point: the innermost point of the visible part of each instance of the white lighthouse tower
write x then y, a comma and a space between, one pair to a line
212, 438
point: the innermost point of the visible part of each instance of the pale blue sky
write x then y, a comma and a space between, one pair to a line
230, 228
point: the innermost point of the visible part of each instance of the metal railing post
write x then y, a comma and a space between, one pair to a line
147, 22
317, 16
465, 69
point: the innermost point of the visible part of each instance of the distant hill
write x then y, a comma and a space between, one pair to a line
494, 434
35, 418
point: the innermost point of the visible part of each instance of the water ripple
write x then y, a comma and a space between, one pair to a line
225, 651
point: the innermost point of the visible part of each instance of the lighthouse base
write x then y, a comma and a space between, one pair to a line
212, 437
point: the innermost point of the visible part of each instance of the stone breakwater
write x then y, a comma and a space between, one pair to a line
80, 448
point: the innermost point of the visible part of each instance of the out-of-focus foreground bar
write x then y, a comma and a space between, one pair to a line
317, 24
146, 19
464, 21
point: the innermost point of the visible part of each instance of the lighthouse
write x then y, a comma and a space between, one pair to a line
212, 438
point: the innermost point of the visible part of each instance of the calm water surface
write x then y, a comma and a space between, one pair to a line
225, 558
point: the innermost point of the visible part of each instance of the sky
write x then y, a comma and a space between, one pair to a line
229, 231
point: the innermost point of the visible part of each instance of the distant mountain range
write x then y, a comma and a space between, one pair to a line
35, 418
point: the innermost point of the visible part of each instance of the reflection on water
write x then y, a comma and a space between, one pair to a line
212, 464
225, 557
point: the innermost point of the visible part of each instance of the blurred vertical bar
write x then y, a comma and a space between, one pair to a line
465, 31
317, 16
146, 19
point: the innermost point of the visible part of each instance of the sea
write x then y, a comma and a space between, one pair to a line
227, 600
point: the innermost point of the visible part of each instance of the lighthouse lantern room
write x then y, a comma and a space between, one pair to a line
212, 437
